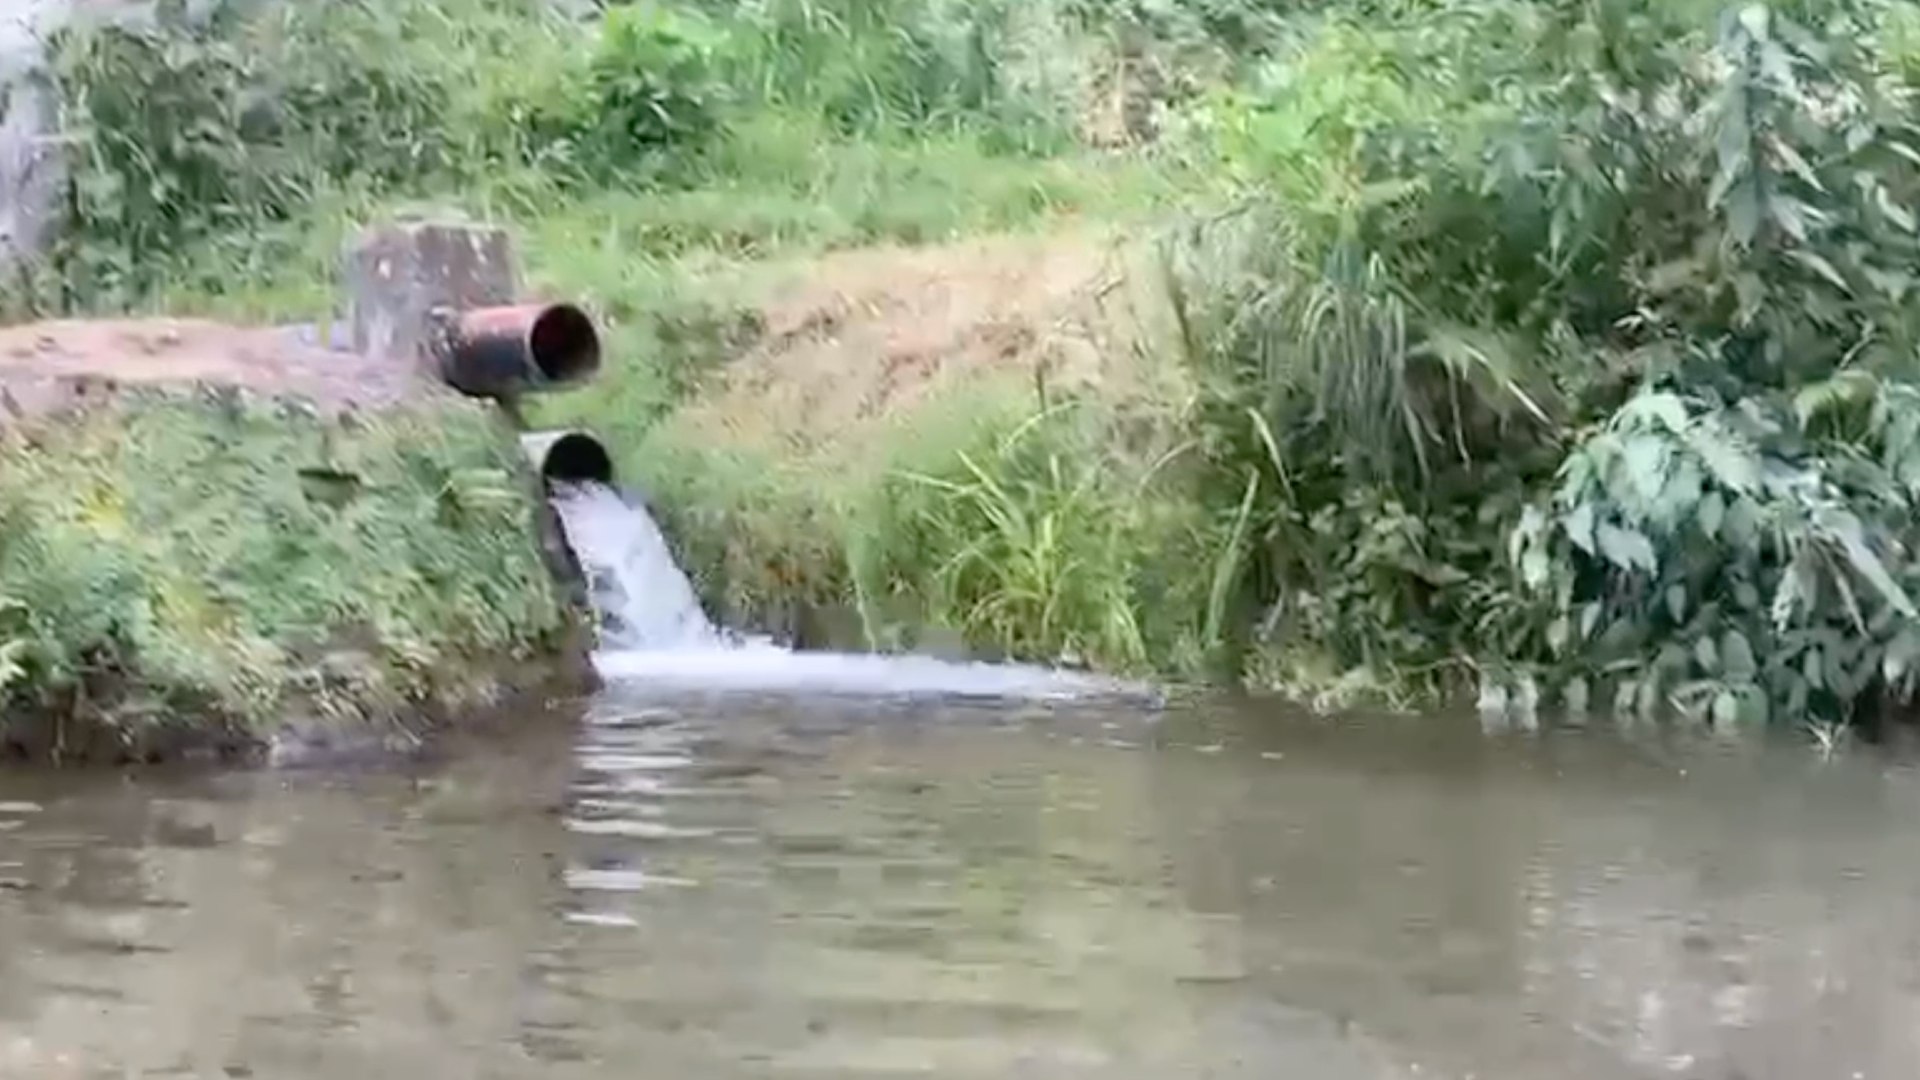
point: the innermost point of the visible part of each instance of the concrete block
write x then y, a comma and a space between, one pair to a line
403, 279
31, 166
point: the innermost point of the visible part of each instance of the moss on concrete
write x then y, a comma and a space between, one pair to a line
212, 567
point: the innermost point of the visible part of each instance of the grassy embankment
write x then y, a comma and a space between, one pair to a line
1560, 348
180, 570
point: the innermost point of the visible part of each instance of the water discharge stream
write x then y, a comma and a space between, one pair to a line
644, 599
653, 630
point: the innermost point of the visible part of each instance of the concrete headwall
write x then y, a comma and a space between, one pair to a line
29, 164
30, 160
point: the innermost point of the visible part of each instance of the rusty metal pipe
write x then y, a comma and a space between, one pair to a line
503, 352
568, 456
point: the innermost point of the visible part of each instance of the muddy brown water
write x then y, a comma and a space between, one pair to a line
753, 888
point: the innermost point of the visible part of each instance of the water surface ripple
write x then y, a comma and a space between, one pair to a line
735, 886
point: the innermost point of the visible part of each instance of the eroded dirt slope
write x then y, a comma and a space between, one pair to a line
861, 336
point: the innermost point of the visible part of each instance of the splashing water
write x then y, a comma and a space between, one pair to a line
645, 601
654, 632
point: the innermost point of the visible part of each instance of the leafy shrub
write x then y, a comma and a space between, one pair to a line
166, 151
1377, 450
649, 83
653, 77
1735, 560
1634, 297
867, 66
188, 133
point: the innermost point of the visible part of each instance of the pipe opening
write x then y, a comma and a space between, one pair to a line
564, 344
576, 458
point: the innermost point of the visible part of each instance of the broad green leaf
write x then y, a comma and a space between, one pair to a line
1789, 213
1900, 656
1579, 527
1534, 567
1819, 265
1670, 277
1743, 523
1797, 693
1713, 510
1662, 406
1644, 462
1733, 147
1526, 534
1791, 594
1672, 659
1726, 709
1812, 669
1559, 635
1899, 215
1732, 460
1743, 212
1894, 283
1628, 549
1847, 529
1677, 603
1839, 679
1679, 498
1707, 655
1752, 292
1736, 657
1796, 164
1776, 64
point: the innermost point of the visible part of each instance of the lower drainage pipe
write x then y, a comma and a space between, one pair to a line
568, 457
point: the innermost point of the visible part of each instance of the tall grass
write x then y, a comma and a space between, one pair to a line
1027, 528
1024, 542
218, 160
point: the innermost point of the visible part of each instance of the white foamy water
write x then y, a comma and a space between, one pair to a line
644, 600
654, 632
760, 666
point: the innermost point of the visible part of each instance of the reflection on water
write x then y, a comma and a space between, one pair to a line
733, 888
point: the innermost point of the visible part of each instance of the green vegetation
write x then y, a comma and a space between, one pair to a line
1610, 332
1559, 344
219, 162
223, 558
10, 649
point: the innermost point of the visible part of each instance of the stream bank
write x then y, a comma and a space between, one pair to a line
219, 542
